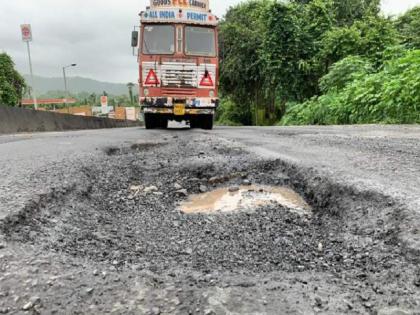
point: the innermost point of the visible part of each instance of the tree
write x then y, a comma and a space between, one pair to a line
130, 91
349, 11
336, 44
367, 38
275, 52
409, 27
295, 32
377, 34
241, 76
12, 84
122, 100
93, 99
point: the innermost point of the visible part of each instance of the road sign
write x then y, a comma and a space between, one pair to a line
26, 32
104, 100
130, 113
104, 104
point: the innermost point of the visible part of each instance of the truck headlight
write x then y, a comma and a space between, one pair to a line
146, 92
211, 93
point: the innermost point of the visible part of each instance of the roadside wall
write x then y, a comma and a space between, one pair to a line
14, 120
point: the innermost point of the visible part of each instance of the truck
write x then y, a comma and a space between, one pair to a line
177, 53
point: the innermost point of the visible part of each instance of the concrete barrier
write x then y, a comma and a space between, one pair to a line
14, 120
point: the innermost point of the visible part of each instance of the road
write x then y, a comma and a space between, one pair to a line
75, 238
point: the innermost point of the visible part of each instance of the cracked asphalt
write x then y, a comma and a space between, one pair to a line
89, 222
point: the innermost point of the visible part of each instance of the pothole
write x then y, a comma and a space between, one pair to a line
110, 151
244, 198
146, 145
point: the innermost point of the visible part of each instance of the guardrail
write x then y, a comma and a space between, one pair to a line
16, 119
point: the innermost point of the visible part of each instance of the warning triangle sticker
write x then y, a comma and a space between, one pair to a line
206, 80
152, 78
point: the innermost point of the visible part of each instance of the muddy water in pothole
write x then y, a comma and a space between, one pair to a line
245, 199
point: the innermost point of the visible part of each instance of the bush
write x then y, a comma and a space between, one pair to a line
347, 70
390, 96
228, 114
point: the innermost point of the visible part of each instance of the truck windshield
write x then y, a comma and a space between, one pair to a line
159, 39
200, 41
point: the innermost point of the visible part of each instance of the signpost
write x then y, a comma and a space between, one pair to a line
27, 37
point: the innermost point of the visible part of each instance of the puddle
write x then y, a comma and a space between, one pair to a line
245, 199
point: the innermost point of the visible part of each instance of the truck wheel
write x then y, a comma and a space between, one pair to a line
194, 122
163, 122
150, 121
207, 122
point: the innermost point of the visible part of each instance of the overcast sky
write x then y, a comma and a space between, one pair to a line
95, 34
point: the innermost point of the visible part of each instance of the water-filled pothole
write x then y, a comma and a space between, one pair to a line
246, 198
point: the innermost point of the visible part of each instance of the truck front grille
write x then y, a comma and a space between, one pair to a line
179, 75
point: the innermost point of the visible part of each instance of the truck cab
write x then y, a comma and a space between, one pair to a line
178, 63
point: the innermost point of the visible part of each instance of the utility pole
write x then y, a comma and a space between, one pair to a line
66, 91
27, 37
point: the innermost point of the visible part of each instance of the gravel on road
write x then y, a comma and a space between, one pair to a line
110, 238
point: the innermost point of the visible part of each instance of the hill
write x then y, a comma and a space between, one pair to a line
77, 85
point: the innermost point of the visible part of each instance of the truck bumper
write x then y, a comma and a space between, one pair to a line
178, 109
170, 101
170, 111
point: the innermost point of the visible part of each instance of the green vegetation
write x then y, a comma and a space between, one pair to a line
12, 84
13, 89
86, 91
390, 95
319, 62
227, 114
408, 26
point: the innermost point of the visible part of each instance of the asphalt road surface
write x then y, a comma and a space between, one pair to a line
90, 222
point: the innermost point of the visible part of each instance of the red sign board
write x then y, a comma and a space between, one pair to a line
26, 32
104, 100
104, 104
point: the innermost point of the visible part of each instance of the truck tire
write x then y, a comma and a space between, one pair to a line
150, 121
194, 122
162, 122
207, 122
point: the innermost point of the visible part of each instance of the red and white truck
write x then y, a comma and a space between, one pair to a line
178, 62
